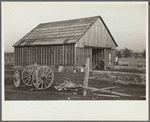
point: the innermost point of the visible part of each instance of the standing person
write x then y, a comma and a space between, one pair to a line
98, 66
102, 64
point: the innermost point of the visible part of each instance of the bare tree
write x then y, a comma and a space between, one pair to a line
118, 53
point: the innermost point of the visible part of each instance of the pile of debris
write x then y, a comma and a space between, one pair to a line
68, 85
140, 80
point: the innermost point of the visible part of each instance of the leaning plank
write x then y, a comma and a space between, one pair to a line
111, 87
95, 96
106, 91
95, 89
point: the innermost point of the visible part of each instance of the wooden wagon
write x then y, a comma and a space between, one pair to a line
38, 76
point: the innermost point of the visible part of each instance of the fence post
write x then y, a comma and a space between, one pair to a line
86, 78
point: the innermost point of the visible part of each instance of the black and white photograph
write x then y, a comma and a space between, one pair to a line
75, 60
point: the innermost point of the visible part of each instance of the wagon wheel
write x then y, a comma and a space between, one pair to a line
27, 74
43, 77
17, 79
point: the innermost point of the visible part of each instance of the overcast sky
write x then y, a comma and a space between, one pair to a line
127, 21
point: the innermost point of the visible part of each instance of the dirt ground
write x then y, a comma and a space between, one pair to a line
25, 93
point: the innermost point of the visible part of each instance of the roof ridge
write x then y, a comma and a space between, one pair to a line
70, 20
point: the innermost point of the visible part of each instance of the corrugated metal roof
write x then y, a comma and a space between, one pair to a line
62, 32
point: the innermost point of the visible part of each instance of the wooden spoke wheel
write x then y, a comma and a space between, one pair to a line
43, 77
17, 79
27, 74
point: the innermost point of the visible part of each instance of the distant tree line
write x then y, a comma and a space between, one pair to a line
126, 53
9, 58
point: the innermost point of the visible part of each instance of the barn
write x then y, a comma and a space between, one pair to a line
67, 43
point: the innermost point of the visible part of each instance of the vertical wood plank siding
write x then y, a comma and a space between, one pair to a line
44, 55
15, 57
52, 56
82, 53
97, 35
19, 56
29, 55
95, 55
63, 56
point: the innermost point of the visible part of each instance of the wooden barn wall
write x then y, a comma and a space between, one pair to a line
82, 53
97, 36
45, 55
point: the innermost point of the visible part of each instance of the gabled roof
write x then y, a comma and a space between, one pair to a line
61, 32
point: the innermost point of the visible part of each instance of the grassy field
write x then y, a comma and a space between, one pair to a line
132, 62
131, 65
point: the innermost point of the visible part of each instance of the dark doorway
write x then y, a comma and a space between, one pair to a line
97, 54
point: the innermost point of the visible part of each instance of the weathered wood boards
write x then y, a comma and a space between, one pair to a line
66, 55
105, 91
45, 55
82, 53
